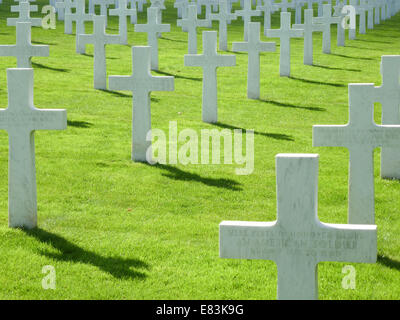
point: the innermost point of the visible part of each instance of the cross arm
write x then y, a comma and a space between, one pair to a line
32, 8
7, 50
49, 119
226, 60
349, 242
162, 83
40, 51
12, 22
248, 240
330, 136
240, 46
194, 60
124, 83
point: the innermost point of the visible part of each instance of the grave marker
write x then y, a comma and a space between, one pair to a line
297, 241
309, 27
254, 47
24, 9
152, 28
209, 61
99, 39
246, 14
360, 136
326, 20
223, 16
191, 23
23, 50
141, 83
66, 6
285, 33
122, 12
21, 119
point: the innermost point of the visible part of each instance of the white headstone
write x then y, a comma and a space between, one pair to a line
161, 6
370, 9
66, 6
191, 23
24, 9
104, 4
326, 20
254, 47
298, 6
246, 14
361, 136
209, 61
60, 10
309, 27
80, 17
377, 16
152, 28
21, 119
361, 10
122, 12
297, 241
23, 50
223, 16
99, 39
141, 83
284, 5
341, 32
353, 31
388, 95
285, 33
268, 8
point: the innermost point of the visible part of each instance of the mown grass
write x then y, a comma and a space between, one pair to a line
115, 229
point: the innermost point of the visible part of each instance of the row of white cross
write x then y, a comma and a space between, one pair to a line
297, 241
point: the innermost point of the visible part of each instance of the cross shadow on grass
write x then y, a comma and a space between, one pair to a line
319, 82
42, 66
290, 105
79, 124
334, 68
278, 136
124, 95
92, 56
386, 261
351, 57
169, 39
177, 75
175, 173
121, 268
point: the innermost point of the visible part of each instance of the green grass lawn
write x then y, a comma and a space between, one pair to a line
115, 229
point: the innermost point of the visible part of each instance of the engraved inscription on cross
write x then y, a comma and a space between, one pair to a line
21, 119
361, 136
388, 95
141, 83
23, 50
297, 241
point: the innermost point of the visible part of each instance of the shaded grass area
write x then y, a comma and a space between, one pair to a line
115, 229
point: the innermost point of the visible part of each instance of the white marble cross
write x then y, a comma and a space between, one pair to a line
377, 17
152, 28
209, 61
353, 31
141, 83
309, 28
161, 6
21, 119
388, 95
99, 39
341, 32
361, 10
208, 4
60, 10
254, 47
66, 6
24, 9
23, 50
80, 17
297, 241
361, 136
370, 10
223, 16
104, 4
122, 12
284, 5
182, 6
246, 14
285, 33
326, 20
268, 8
298, 6
191, 23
